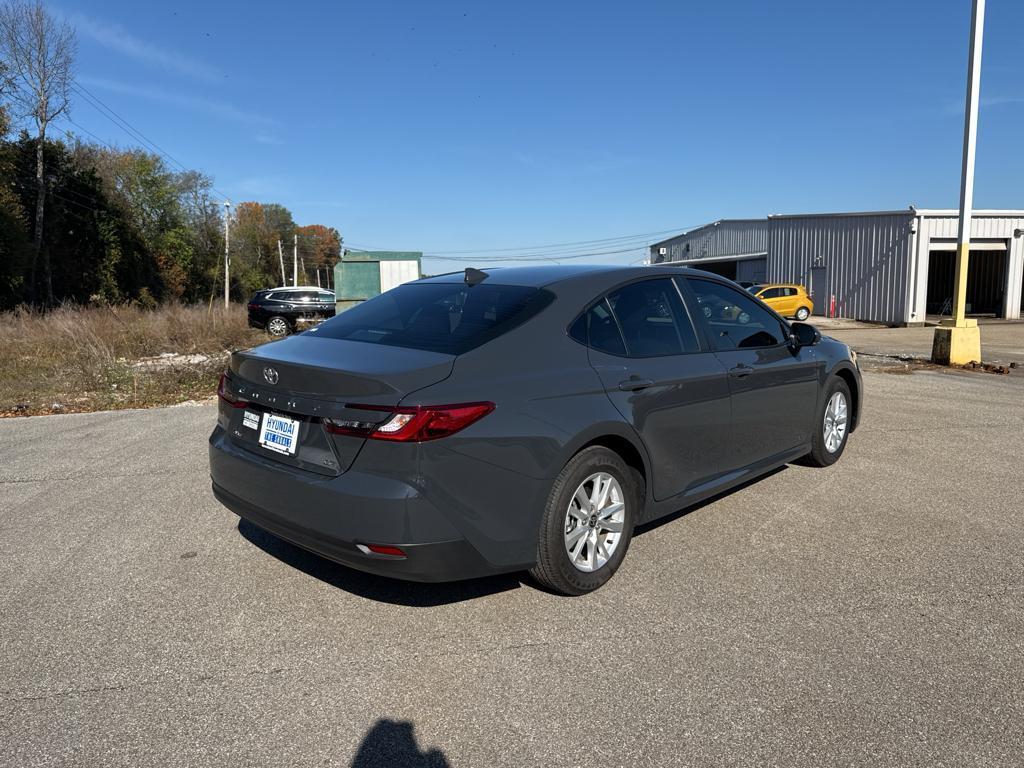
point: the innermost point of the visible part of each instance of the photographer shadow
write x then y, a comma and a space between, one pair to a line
392, 743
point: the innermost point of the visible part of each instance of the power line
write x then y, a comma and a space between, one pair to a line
86, 130
74, 202
493, 259
115, 118
570, 249
639, 236
100, 106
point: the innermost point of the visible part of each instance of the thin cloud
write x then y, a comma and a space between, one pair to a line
117, 38
218, 108
268, 137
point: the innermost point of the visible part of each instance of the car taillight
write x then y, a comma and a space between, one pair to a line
227, 397
412, 424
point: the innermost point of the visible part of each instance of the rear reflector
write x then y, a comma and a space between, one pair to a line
380, 549
412, 424
227, 397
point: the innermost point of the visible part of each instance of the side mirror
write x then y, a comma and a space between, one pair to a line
804, 334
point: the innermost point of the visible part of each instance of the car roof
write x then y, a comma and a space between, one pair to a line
779, 285
300, 288
538, 276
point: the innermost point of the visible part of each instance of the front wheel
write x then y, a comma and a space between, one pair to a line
832, 426
588, 522
803, 313
278, 326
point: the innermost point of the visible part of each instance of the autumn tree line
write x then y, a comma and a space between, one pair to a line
89, 222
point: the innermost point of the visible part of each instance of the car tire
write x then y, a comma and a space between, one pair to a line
802, 314
278, 326
828, 443
579, 548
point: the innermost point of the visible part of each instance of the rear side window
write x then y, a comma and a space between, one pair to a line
652, 319
437, 317
602, 330
642, 319
734, 319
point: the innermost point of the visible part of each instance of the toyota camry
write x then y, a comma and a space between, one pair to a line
522, 419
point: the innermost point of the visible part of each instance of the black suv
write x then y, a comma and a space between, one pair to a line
285, 310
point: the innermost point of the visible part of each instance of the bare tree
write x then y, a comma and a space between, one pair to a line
40, 54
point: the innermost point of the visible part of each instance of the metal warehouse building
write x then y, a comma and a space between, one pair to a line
893, 267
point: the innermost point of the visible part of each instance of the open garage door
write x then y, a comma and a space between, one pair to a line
986, 282
752, 270
723, 268
749, 268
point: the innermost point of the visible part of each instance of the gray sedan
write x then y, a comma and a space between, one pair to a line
522, 419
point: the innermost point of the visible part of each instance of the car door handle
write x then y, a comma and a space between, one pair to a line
634, 384
741, 371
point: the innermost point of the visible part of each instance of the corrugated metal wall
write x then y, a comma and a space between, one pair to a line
752, 270
864, 261
729, 237
873, 263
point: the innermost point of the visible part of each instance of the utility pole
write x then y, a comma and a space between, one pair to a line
295, 261
280, 258
958, 340
302, 264
318, 278
227, 251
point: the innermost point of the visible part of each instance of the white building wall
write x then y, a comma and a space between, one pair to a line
986, 226
394, 273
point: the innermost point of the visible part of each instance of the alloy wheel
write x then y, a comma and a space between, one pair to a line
277, 326
834, 427
594, 521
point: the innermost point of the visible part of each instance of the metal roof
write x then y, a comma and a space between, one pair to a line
911, 211
704, 226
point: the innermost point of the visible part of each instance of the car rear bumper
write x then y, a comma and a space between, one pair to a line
331, 516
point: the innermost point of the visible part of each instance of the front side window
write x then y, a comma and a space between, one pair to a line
772, 293
734, 319
452, 318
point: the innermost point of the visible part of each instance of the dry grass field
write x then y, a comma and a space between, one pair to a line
99, 358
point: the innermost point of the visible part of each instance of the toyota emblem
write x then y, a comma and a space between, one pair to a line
270, 375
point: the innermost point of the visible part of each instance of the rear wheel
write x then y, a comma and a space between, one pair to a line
278, 326
588, 522
832, 426
803, 313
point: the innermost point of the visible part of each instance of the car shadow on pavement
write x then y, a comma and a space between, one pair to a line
392, 744
370, 586
640, 530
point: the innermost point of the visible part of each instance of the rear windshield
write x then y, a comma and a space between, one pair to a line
437, 317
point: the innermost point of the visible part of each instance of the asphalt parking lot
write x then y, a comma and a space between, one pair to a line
868, 614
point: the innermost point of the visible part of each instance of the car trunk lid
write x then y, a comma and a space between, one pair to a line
306, 379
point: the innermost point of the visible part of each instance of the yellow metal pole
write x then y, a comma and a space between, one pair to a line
963, 255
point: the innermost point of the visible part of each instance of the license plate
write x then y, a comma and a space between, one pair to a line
280, 434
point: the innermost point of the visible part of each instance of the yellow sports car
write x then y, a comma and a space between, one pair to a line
786, 299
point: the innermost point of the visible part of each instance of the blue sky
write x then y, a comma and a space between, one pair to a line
447, 127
